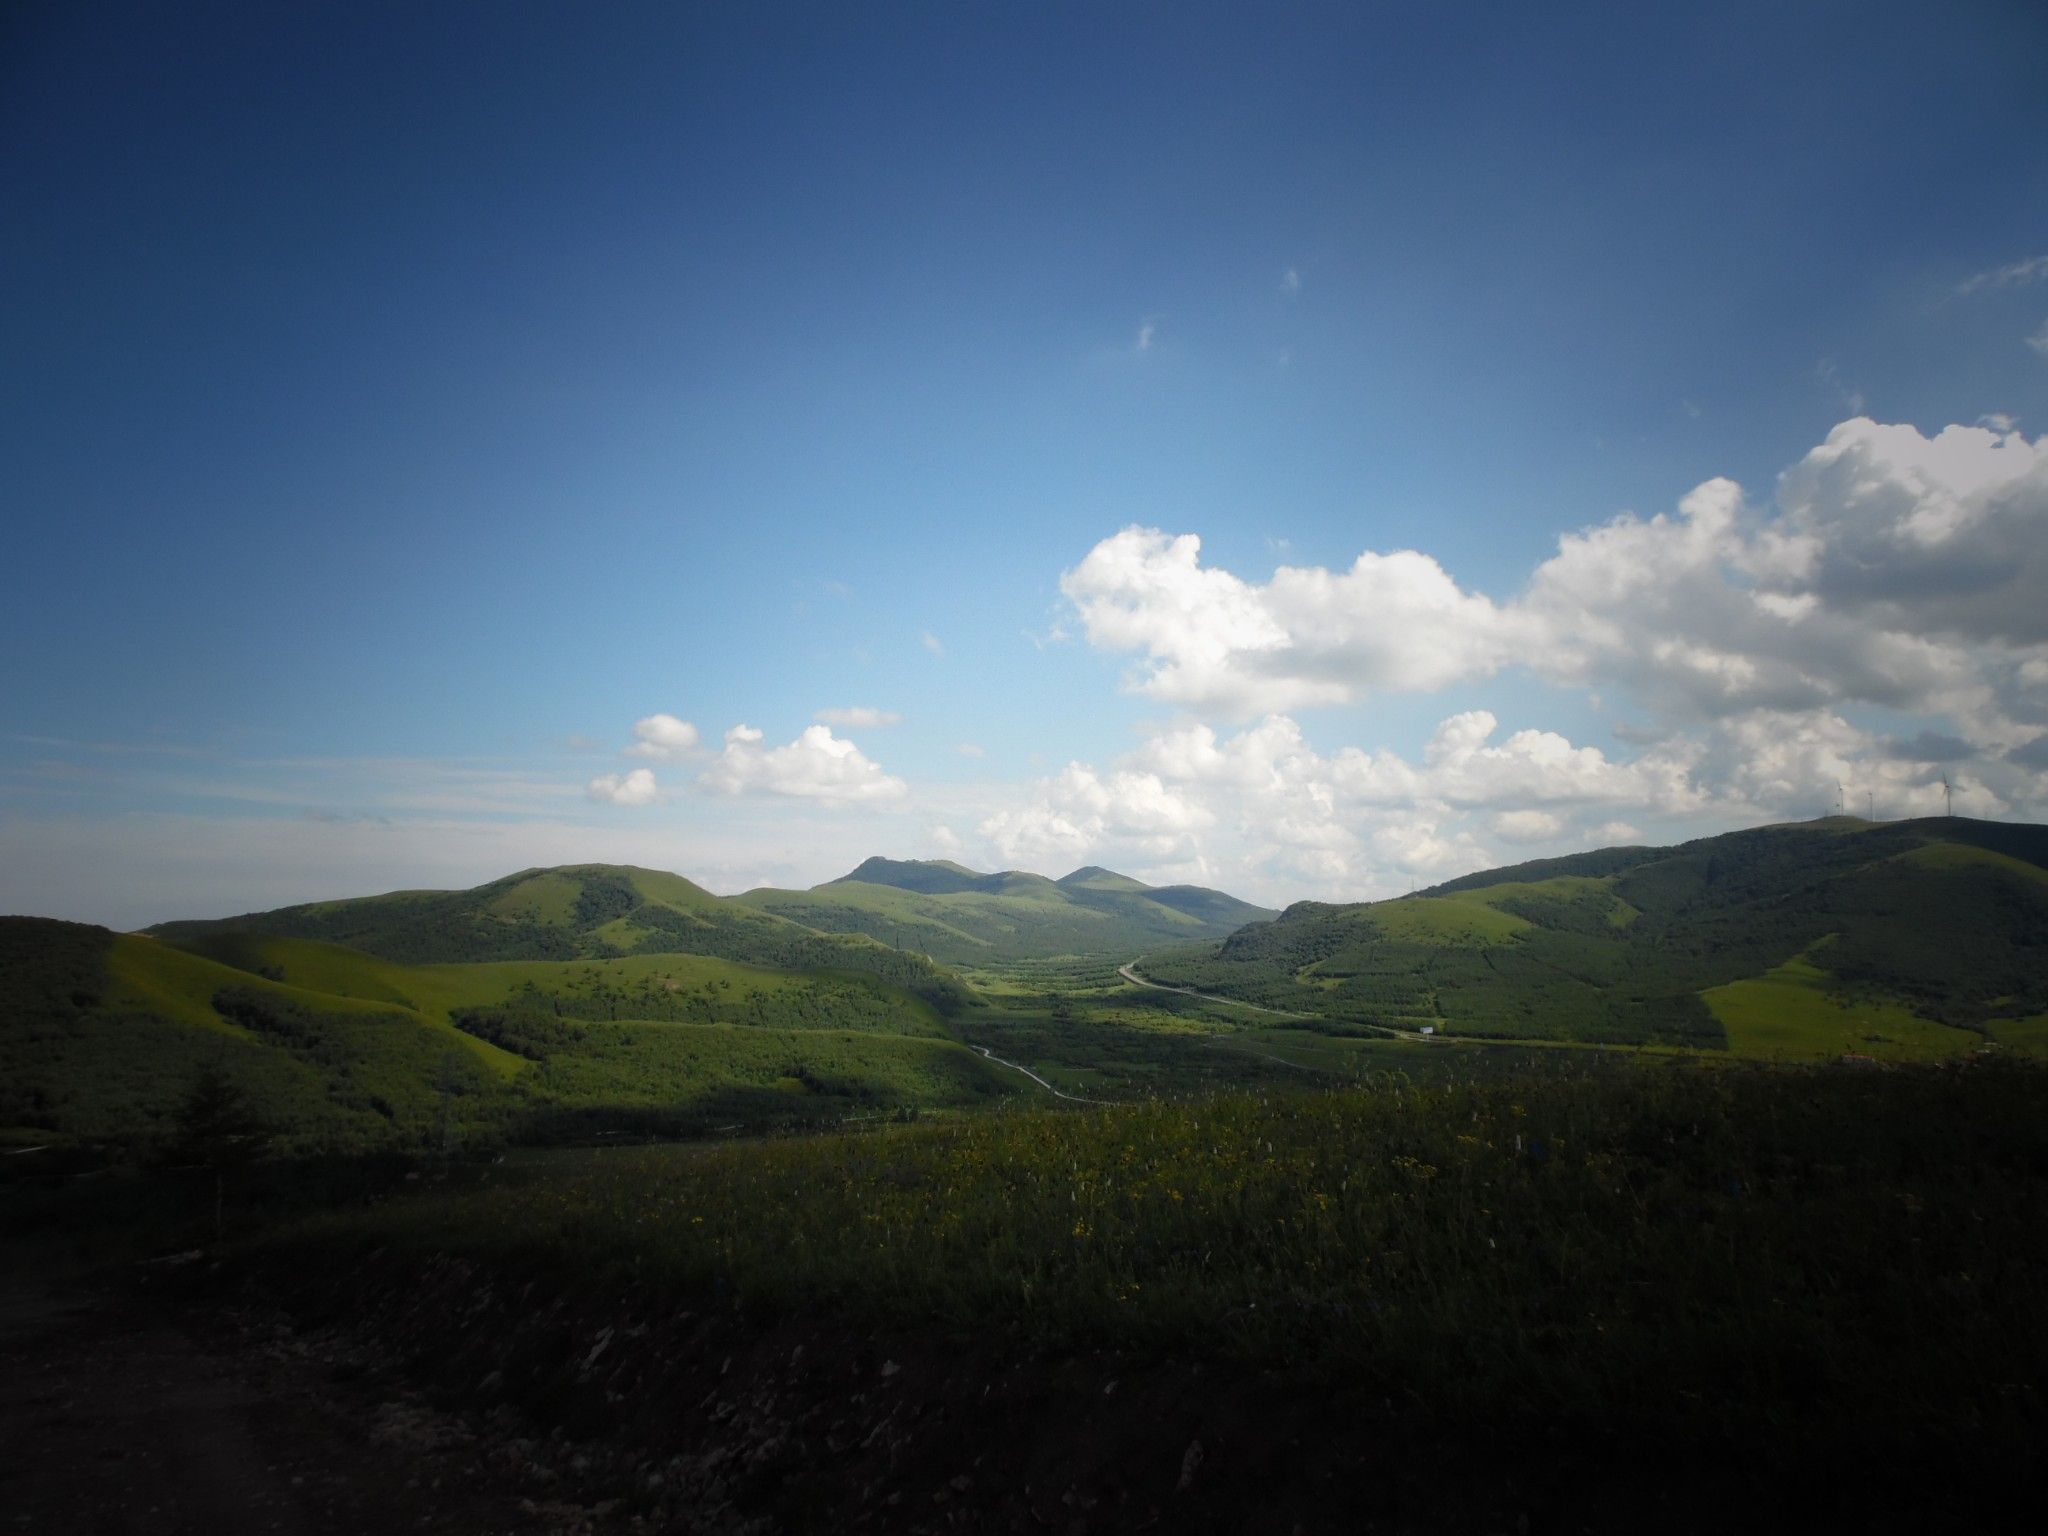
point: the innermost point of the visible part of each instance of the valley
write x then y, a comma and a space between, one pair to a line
1512, 1156
610, 1002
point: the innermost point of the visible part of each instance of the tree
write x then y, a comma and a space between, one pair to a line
217, 1128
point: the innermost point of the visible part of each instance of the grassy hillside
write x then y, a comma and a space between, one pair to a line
1898, 940
959, 917
581, 911
102, 1035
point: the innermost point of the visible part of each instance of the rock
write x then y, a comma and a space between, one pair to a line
1190, 1464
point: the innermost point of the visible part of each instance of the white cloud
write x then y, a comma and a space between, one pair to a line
1896, 569
932, 643
858, 717
1264, 814
2033, 269
663, 737
1146, 331
1079, 810
1290, 282
817, 765
633, 788
1844, 393
2039, 340
971, 749
1310, 636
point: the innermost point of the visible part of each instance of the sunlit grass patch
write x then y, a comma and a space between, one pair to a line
1789, 1015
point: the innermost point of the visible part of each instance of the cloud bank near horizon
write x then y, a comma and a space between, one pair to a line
1872, 625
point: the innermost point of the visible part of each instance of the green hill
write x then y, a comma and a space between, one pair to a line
1895, 940
960, 917
577, 911
102, 1034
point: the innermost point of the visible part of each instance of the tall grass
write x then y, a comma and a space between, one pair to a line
1744, 1247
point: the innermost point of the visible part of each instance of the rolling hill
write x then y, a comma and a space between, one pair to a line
1893, 939
571, 1001
577, 911
961, 917
102, 1035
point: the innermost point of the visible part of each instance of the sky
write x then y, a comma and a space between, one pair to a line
1312, 451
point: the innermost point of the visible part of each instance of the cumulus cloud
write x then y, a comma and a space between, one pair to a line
1265, 812
663, 737
1080, 810
817, 765
1309, 636
1894, 569
858, 717
636, 787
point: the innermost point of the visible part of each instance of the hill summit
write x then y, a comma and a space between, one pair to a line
963, 917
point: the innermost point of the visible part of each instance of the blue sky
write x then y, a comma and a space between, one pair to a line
399, 403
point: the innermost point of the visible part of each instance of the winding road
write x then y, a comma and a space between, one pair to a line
1071, 1098
1130, 973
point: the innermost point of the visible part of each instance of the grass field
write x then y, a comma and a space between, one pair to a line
1847, 1253
1789, 1014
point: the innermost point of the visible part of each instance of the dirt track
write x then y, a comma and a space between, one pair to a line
115, 1418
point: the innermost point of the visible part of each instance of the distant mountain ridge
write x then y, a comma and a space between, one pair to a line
961, 916
889, 917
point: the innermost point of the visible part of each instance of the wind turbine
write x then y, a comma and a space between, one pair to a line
1948, 794
1838, 796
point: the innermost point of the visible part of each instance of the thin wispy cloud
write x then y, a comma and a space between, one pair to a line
1844, 392
858, 717
2033, 270
1146, 332
1290, 283
932, 643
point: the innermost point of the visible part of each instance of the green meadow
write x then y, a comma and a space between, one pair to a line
596, 1003
1832, 1256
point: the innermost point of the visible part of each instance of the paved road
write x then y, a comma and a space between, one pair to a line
1072, 1098
1130, 974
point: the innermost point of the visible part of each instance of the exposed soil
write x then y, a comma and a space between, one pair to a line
121, 1414
441, 1397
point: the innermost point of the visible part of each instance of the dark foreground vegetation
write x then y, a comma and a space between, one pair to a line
1671, 1293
